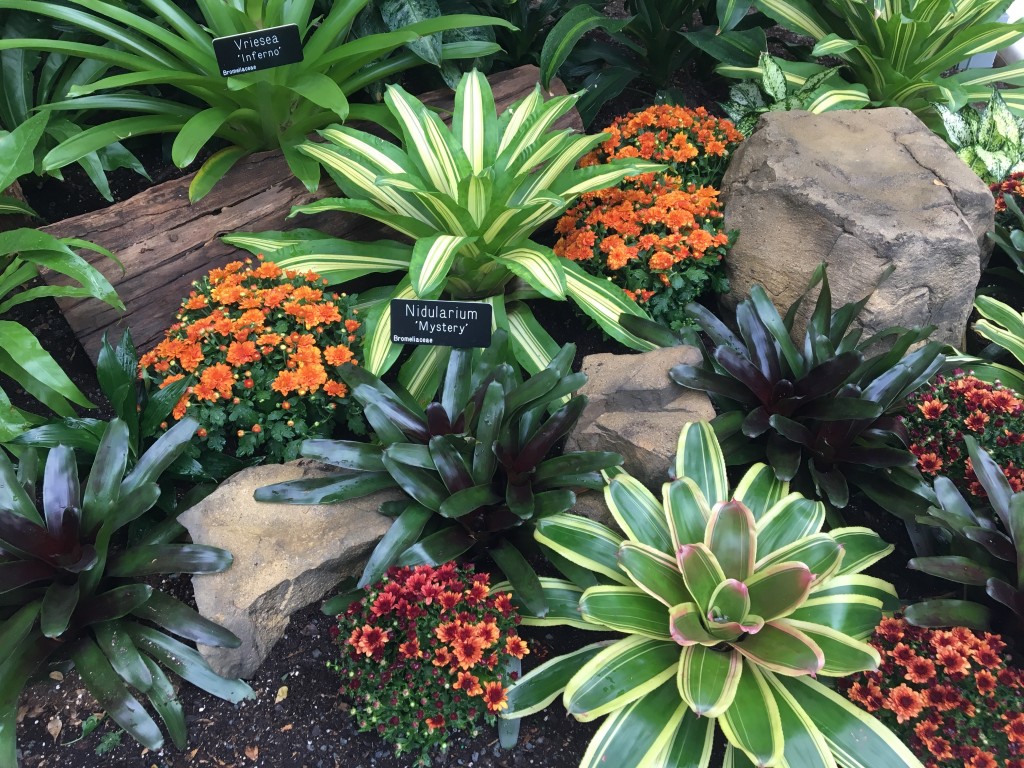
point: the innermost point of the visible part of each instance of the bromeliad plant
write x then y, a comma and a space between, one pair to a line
952, 697
823, 408
731, 603
73, 588
23, 252
469, 196
475, 465
986, 544
268, 109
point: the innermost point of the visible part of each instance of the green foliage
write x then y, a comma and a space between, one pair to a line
1002, 325
730, 603
469, 197
772, 92
474, 465
141, 406
823, 409
73, 590
898, 51
531, 20
985, 549
23, 252
991, 142
31, 80
251, 112
649, 47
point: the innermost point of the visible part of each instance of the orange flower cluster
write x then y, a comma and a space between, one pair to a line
255, 342
939, 415
658, 241
428, 647
695, 144
948, 694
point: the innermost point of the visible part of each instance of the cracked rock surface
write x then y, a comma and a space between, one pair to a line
859, 190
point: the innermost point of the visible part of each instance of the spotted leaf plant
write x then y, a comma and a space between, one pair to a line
469, 197
731, 605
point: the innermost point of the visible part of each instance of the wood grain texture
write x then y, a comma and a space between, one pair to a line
165, 243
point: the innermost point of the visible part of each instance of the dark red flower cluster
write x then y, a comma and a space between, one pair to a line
939, 415
1012, 185
428, 651
949, 695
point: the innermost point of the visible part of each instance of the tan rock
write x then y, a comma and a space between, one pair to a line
636, 410
285, 557
859, 190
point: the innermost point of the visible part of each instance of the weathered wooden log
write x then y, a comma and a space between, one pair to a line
165, 243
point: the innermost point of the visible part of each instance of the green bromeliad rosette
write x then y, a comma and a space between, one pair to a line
469, 196
732, 604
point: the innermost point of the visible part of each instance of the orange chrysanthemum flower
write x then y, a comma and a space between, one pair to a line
516, 646
468, 683
495, 697
905, 702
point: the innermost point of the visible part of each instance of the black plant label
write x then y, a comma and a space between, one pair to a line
441, 323
262, 49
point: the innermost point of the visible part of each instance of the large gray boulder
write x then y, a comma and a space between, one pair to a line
285, 557
635, 409
860, 190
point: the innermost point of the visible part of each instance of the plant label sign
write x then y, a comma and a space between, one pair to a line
441, 323
262, 49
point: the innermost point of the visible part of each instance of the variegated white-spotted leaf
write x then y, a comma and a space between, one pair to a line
432, 257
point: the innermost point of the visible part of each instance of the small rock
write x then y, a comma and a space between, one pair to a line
285, 557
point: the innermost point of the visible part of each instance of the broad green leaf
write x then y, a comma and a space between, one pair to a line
583, 542
626, 609
618, 675
699, 458
781, 647
856, 738
638, 734
707, 679
539, 687
638, 513
755, 727
654, 572
687, 511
